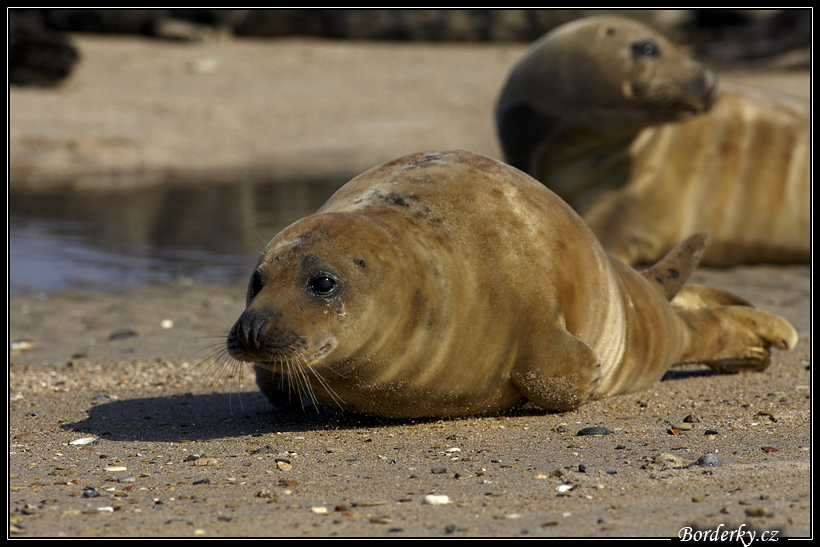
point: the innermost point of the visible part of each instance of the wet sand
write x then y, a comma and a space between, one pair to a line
184, 446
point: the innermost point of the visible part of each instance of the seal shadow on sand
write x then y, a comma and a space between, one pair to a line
214, 416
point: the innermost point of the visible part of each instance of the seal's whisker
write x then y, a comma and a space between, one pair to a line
323, 383
303, 380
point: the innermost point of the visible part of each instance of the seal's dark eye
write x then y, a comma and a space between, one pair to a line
645, 48
254, 286
322, 284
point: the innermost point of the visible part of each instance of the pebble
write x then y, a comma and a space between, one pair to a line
665, 459
21, 345
756, 511
594, 431
122, 334
438, 470
707, 460
206, 462
116, 468
128, 478
83, 440
683, 426
435, 499
91, 493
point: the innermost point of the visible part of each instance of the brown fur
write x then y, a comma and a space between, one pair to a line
642, 147
459, 285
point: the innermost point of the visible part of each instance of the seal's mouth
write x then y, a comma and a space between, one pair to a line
284, 361
328, 346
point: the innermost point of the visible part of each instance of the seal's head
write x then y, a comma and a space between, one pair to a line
606, 74
316, 302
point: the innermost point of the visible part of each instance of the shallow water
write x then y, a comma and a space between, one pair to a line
61, 239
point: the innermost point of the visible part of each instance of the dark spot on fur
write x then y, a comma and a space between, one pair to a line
400, 200
308, 261
361, 263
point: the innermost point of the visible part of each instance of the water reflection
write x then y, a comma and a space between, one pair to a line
104, 239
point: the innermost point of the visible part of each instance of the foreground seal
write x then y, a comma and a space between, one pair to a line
450, 284
629, 131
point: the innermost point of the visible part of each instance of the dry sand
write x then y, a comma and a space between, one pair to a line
186, 448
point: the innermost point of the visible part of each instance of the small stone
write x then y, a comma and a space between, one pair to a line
691, 419
756, 512
770, 449
128, 478
202, 481
206, 462
665, 459
707, 460
435, 499
83, 440
438, 470
91, 493
65, 472
319, 510
683, 426
116, 468
21, 345
166, 324
610, 471
711, 433
122, 334
593, 431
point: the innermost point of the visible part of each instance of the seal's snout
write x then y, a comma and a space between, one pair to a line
707, 89
247, 335
258, 336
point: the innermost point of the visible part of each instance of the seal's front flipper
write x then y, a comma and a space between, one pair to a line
671, 272
563, 382
735, 338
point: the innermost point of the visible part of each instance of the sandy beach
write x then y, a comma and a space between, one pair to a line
124, 421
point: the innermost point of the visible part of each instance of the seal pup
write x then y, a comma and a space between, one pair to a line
449, 283
638, 138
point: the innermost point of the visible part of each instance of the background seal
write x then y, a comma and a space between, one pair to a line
629, 130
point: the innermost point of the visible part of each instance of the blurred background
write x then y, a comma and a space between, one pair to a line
148, 146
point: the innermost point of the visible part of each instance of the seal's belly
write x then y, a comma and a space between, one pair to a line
413, 392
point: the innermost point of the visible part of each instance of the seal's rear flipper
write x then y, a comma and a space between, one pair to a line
693, 297
671, 272
734, 338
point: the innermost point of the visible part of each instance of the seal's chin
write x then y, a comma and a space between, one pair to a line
284, 361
